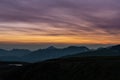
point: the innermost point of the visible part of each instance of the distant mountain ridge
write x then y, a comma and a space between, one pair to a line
39, 55
52, 52
14, 52
109, 51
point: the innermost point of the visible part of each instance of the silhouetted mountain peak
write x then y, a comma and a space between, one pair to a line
51, 47
117, 47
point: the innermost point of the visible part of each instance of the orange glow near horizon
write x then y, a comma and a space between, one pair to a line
32, 35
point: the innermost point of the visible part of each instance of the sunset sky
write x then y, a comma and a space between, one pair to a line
59, 22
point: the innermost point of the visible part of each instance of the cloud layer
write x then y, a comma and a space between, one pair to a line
83, 21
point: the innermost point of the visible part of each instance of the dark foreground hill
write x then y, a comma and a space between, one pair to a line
79, 68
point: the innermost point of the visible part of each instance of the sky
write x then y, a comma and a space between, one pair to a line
40, 23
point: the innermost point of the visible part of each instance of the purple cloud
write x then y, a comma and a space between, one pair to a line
79, 16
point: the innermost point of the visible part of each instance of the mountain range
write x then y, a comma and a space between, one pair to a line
39, 55
99, 64
108, 51
24, 55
